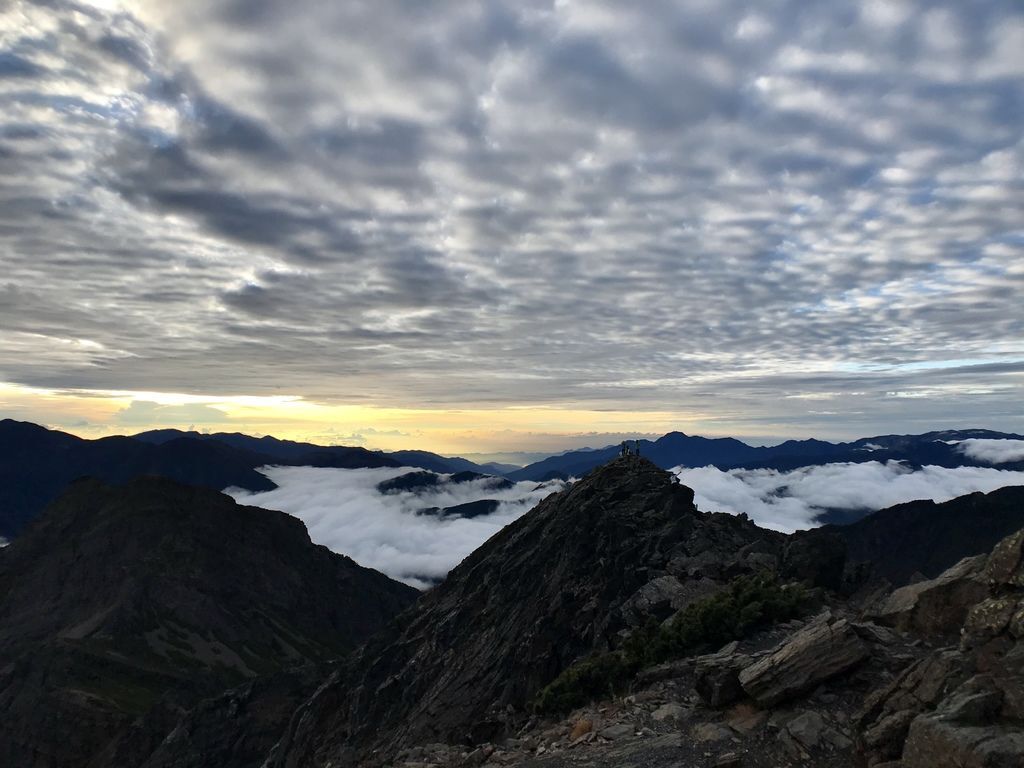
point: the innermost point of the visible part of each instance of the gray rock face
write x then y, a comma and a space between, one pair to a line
964, 731
717, 676
657, 599
962, 707
939, 605
820, 651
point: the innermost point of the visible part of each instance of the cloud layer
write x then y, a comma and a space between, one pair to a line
788, 213
344, 511
993, 451
789, 501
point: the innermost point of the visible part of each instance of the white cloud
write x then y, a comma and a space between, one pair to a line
993, 451
788, 501
344, 511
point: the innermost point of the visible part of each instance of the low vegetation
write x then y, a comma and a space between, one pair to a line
745, 605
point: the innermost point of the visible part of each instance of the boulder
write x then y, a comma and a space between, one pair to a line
939, 605
822, 650
964, 732
807, 728
658, 599
716, 676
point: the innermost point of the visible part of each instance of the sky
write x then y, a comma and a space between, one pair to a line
510, 226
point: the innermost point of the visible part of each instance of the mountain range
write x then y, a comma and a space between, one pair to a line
36, 464
155, 625
677, 449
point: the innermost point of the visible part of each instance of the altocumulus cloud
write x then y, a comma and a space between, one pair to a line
669, 205
788, 501
344, 511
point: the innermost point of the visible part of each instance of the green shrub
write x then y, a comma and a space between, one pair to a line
585, 681
746, 604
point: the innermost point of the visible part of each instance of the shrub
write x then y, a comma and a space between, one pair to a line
746, 604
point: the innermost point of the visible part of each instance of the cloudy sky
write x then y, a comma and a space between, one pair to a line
512, 225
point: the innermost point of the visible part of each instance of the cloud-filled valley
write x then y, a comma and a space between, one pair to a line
344, 510
788, 501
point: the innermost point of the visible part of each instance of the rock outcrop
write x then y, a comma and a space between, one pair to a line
962, 706
825, 648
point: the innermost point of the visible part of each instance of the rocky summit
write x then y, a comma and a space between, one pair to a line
124, 606
572, 577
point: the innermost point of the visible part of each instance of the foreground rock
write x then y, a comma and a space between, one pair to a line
826, 648
937, 606
963, 706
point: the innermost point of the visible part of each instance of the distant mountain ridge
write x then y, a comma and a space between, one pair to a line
678, 449
37, 464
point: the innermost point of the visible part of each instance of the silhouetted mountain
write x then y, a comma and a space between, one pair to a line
286, 451
677, 449
136, 601
310, 454
436, 463
36, 465
927, 538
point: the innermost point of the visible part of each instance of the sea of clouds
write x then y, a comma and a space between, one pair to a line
789, 501
993, 451
344, 511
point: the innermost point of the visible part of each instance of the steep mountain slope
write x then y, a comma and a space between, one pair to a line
549, 588
677, 449
122, 601
927, 538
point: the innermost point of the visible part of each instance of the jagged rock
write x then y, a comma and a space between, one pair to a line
716, 676
657, 599
807, 728
963, 732
937, 606
820, 651
1005, 566
617, 731
874, 633
888, 711
670, 711
728, 760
